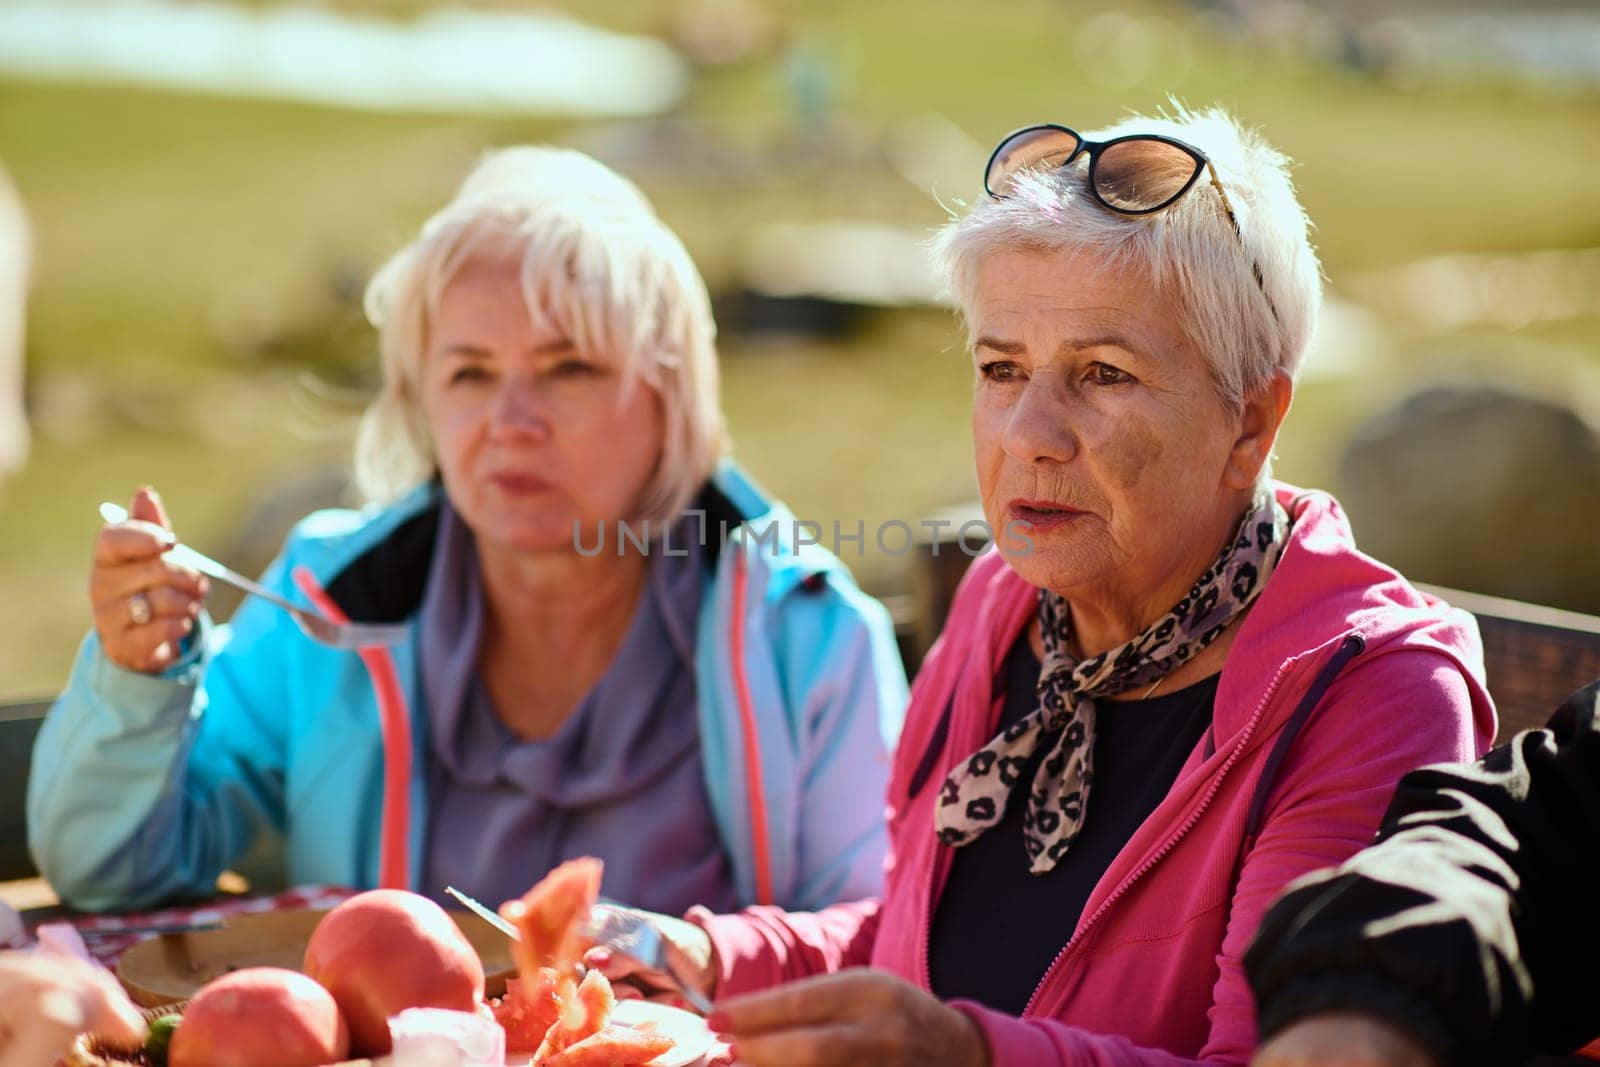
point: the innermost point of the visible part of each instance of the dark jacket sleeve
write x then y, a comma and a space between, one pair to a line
1474, 921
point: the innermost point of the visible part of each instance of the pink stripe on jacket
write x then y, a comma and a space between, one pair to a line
1153, 974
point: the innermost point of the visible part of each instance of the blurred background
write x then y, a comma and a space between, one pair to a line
210, 185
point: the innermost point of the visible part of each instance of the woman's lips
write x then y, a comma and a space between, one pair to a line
519, 482
1041, 514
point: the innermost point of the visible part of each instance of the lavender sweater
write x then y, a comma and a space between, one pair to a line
621, 779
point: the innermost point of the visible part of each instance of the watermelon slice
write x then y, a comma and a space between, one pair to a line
583, 1014
615, 1046
548, 917
546, 1008
526, 1012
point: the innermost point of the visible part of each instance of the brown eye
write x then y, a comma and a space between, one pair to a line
469, 372
999, 371
1106, 374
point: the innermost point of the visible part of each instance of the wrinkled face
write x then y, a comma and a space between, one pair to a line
531, 434
1101, 443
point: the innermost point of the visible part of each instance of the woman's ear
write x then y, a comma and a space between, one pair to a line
1258, 430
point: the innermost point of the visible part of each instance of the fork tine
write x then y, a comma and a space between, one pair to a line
350, 636
379, 633
624, 931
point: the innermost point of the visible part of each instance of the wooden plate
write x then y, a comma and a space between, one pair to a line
173, 967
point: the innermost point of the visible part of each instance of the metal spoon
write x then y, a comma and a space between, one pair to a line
347, 636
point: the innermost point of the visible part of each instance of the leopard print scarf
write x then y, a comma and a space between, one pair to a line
975, 795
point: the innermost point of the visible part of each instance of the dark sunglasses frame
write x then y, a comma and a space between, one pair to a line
1095, 149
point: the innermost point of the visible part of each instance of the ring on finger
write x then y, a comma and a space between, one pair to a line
139, 610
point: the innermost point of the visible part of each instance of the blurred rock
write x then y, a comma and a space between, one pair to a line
826, 280
849, 261
1481, 489
748, 313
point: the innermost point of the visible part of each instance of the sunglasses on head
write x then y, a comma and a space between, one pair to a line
1138, 174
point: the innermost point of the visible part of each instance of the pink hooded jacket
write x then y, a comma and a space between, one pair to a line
1341, 678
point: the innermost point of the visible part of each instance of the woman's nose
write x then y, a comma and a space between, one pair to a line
1040, 429
521, 408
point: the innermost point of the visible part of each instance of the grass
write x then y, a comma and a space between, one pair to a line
192, 253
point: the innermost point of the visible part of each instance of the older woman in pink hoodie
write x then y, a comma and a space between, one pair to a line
1174, 686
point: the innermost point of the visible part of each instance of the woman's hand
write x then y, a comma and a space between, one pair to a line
1341, 1040
144, 605
690, 948
46, 1001
855, 1016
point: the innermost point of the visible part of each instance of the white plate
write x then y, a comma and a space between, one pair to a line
693, 1043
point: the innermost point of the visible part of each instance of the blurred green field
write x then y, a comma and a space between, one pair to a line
190, 247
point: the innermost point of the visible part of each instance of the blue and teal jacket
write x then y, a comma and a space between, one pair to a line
145, 787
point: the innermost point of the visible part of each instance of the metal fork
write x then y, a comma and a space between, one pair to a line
622, 930
626, 932
347, 636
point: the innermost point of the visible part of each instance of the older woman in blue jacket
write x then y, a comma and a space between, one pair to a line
617, 646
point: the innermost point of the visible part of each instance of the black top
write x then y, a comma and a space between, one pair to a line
1472, 923
998, 927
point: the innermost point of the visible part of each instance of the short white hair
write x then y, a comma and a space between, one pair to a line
596, 264
15, 260
1246, 330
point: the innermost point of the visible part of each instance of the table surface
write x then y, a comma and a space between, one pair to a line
38, 902
29, 894
102, 934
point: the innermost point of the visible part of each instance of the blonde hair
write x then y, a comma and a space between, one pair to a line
596, 264
1246, 330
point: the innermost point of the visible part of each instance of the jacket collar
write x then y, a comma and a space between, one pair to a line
768, 534
1323, 590
386, 582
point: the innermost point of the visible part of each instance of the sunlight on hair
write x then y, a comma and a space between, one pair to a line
1246, 331
596, 263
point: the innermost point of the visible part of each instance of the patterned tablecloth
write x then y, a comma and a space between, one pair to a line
109, 948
